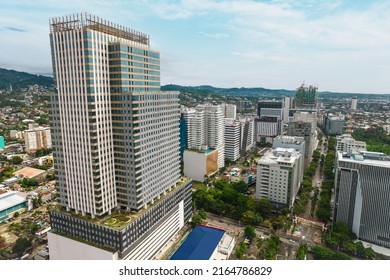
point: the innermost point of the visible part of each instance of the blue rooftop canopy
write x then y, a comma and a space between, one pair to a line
200, 244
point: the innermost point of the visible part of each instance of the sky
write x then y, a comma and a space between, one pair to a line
340, 46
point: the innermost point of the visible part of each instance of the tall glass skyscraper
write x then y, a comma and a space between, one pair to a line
115, 136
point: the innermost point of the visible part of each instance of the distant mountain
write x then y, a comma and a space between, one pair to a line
230, 91
21, 79
255, 92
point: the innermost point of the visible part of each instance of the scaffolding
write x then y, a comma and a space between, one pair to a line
85, 20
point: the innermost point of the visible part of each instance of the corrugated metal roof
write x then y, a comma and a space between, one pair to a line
200, 244
10, 199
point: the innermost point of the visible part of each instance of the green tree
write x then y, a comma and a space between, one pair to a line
241, 250
301, 253
370, 253
198, 218
21, 244
240, 186
16, 160
250, 232
248, 217
264, 206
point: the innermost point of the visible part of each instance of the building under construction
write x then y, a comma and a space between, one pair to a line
306, 97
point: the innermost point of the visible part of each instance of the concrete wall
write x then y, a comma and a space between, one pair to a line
63, 248
194, 165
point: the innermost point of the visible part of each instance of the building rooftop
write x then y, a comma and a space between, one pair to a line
120, 219
11, 199
29, 172
85, 20
200, 244
361, 158
291, 139
280, 155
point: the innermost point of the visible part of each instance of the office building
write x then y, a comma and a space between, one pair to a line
229, 111
354, 103
362, 195
269, 108
37, 137
232, 140
287, 106
247, 141
116, 144
306, 97
346, 144
243, 105
269, 122
304, 125
279, 176
334, 125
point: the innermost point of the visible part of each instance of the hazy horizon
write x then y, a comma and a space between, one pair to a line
338, 46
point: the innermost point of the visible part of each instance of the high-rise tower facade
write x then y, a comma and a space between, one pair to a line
115, 134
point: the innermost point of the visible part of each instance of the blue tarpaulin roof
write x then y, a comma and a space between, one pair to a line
200, 244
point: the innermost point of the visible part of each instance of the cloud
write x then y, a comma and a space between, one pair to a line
214, 35
15, 29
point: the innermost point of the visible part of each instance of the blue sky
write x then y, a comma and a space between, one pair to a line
336, 45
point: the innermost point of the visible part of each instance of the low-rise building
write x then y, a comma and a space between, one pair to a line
205, 243
11, 202
346, 144
199, 164
31, 173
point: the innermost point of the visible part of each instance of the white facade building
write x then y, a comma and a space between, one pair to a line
362, 195
346, 144
229, 111
232, 139
37, 138
115, 137
213, 132
279, 176
199, 164
354, 103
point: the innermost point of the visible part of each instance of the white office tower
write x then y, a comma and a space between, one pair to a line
305, 125
362, 195
346, 144
195, 127
354, 104
116, 144
229, 110
232, 139
287, 105
214, 129
279, 176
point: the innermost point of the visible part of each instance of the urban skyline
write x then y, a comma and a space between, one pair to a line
208, 41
